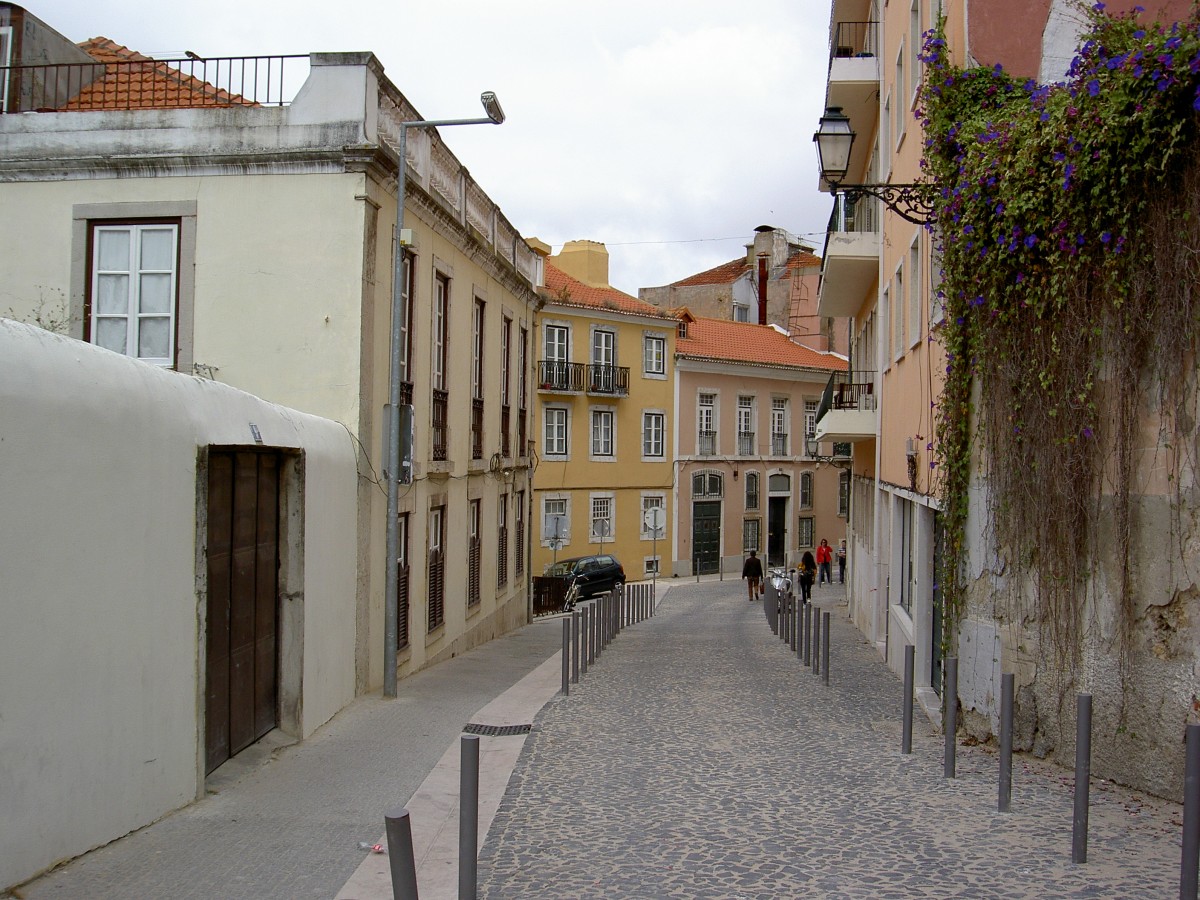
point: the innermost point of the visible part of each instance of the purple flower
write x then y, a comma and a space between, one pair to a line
1030, 240
1105, 237
1093, 87
1087, 431
1139, 34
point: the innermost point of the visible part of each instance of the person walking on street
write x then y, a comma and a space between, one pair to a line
824, 562
753, 573
840, 553
808, 570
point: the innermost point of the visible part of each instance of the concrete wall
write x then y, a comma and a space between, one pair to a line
102, 602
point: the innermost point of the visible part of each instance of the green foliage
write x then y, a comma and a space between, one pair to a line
1052, 281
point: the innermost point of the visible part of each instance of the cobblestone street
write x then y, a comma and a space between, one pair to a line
700, 758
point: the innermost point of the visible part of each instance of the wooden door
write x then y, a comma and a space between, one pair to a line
243, 606
706, 537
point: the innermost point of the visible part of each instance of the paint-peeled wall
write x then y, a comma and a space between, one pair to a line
102, 603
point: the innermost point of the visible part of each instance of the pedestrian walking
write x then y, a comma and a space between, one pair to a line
808, 571
840, 553
825, 562
752, 572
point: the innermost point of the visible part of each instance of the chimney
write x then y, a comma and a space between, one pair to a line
585, 261
762, 288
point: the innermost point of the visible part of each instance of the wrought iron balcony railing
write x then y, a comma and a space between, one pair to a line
706, 443
560, 377
779, 444
441, 404
854, 39
746, 446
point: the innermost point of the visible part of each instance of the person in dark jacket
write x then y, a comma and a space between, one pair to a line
808, 571
752, 572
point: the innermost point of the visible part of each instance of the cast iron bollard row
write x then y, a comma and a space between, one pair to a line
1189, 866
803, 627
589, 629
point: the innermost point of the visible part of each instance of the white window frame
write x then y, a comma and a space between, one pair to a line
440, 312
652, 500
806, 490
806, 532
604, 501
899, 312
553, 347
914, 290
553, 451
5, 60
654, 356
478, 313
901, 110
133, 271
650, 565
600, 415
757, 479
780, 423
741, 312
756, 545
747, 412
551, 506
706, 415
604, 347
914, 51
649, 439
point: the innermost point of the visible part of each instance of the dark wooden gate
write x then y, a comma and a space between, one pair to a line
777, 531
243, 607
706, 537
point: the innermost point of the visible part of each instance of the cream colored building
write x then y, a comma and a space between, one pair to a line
252, 245
605, 417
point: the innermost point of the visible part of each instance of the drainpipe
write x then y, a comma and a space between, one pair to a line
762, 289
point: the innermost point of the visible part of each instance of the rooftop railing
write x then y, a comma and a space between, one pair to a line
854, 39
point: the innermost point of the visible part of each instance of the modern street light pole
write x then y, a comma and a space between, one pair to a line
495, 116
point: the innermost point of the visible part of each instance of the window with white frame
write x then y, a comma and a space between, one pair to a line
898, 313
806, 532
883, 146
558, 338
556, 521
745, 426
937, 297
741, 312
602, 432
751, 490
914, 49
477, 350
602, 517
843, 493
134, 290
654, 354
810, 417
649, 502
751, 535
556, 431
707, 484
5, 60
914, 290
806, 490
886, 337
779, 426
901, 111
706, 424
650, 565
441, 337
653, 427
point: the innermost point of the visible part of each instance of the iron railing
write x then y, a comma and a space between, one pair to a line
558, 376
854, 39
505, 428
476, 428
522, 439
854, 395
706, 443
441, 403
746, 445
779, 444
152, 84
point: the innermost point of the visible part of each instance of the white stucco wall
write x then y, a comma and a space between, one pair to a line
101, 620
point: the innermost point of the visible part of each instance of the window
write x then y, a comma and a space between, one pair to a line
810, 417
914, 48
806, 490
519, 517
407, 285
751, 532
745, 426
885, 305
557, 340
523, 391
556, 431
907, 581
653, 424
898, 302
806, 531
5, 60
706, 425
882, 144
477, 380
441, 313
437, 567
134, 290
556, 523
844, 493
914, 290
602, 518
473, 555
937, 297
901, 119
654, 354
751, 490
505, 377
779, 426
649, 502
706, 484
779, 484
741, 312
602, 432
604, 362
402, 581
650, 565
502, 542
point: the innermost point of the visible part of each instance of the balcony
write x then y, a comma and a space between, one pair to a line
854, 82
779, 444
477, 428
441, 442
706, 443
746, 445
851, 414
850, 263
558, 377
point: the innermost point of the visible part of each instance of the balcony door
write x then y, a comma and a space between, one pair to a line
604, 361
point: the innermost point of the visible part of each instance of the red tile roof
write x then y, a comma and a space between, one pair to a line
563, 290
134, 81
742, 342
729, 272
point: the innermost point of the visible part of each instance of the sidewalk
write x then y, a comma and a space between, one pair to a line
700, 759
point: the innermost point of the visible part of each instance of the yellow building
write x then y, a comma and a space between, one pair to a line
604, 411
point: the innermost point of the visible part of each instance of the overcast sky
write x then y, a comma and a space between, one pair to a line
667, 129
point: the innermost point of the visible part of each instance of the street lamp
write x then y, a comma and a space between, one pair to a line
495, 116
834, 138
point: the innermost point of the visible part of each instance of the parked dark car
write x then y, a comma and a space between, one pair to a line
592, 574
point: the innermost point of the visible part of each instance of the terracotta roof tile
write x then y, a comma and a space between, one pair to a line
729, 272
743, 342
134, 81
563, 290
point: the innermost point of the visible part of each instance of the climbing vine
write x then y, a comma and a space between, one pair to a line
1066, 222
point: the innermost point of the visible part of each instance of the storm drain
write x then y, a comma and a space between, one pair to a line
497, 730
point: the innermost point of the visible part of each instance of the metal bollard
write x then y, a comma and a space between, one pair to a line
566, 658
575, 646
1083, 777
950, 716
907, 709
585, 633
794, 629
816, 641
1006, 738
400, 854
807, 639
1190, 860
825, 648
468, 818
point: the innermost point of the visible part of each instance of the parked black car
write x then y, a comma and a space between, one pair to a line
591, 574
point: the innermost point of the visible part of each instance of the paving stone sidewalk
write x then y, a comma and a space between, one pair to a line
698, 758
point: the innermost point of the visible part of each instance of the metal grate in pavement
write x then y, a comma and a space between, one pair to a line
496, 730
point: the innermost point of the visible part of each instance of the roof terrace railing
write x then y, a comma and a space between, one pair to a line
855, 39
152, 84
